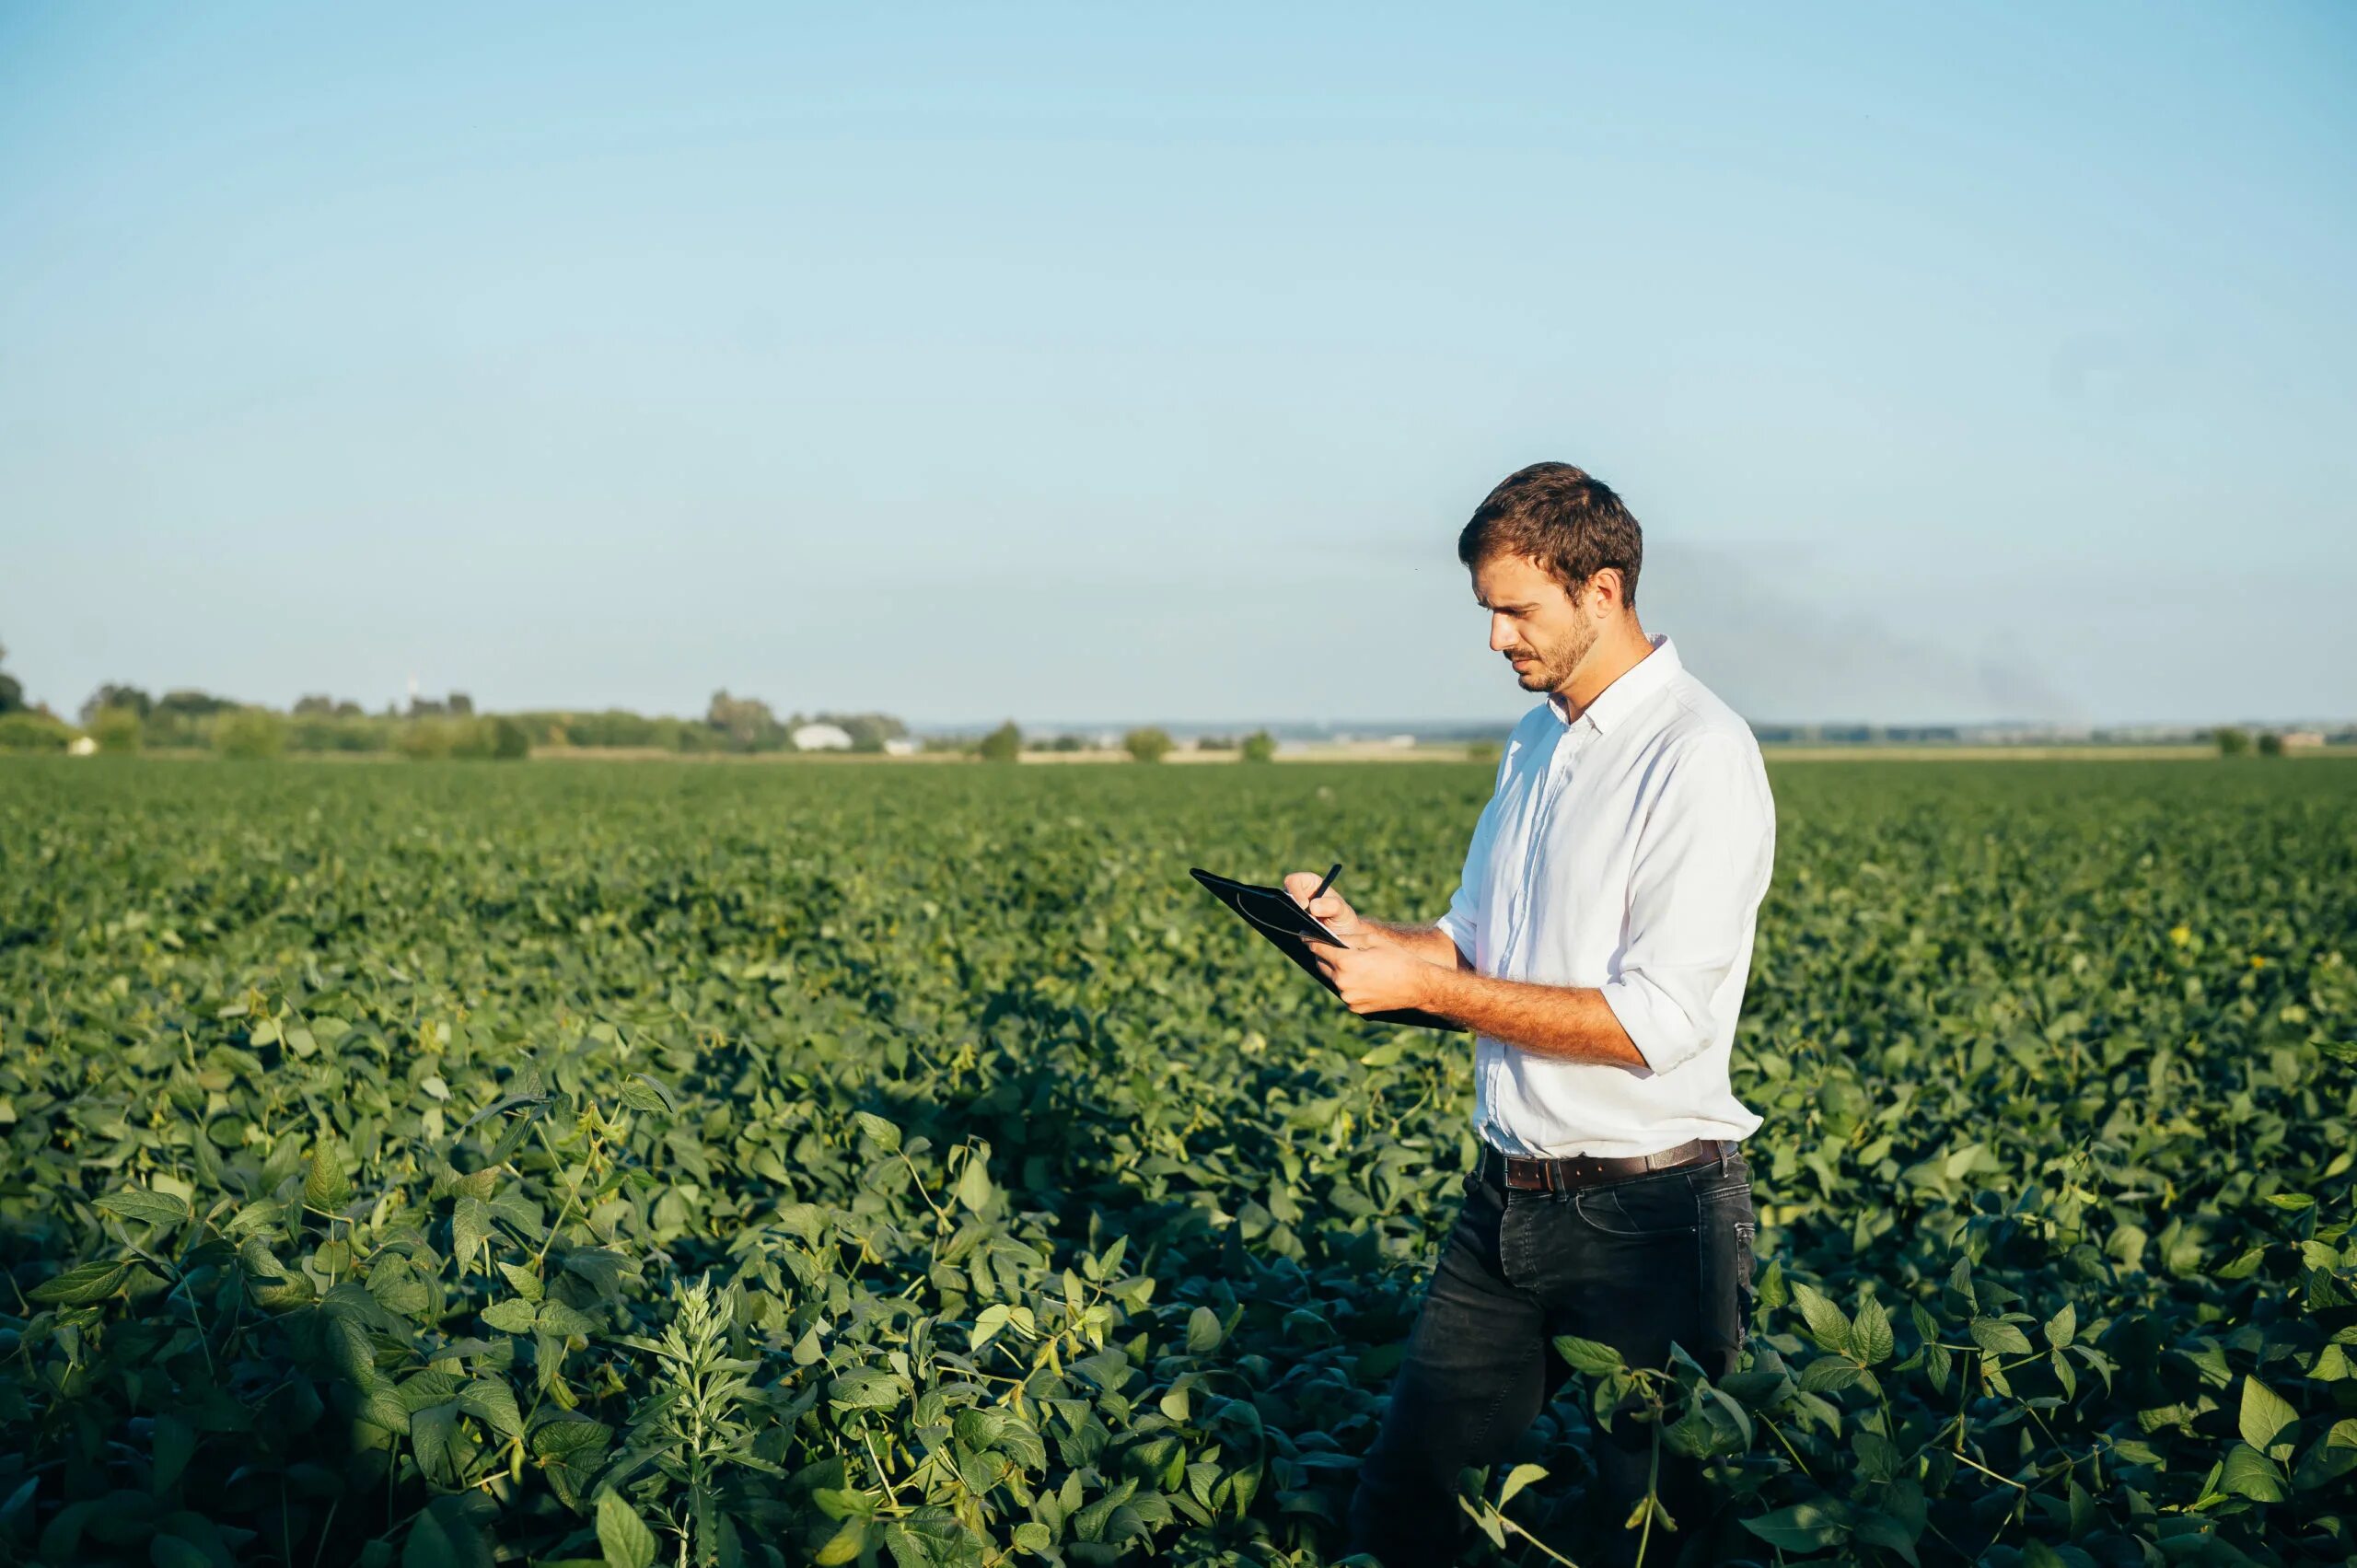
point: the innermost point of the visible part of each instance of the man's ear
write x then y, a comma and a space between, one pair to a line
1610, 591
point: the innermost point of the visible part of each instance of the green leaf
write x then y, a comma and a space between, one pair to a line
511, 1317
139, 1204
843, 1502
470, 1229
1827, 1326
987, 1324
173, 1444
1998, 1337
325, 1186
1877, 1529
493, 1404
434, 1438
1829, 1374
2062, 1326
1871, 1332
1590, 1357
1204, 1332
866, 1388
2244, 1266
556, 1317
171, 1551
2264, 1414
635, 1094
84, 1284
974, 1185
564, 1434
1804, 1527
622, 1536
883, 1133
805, 1220
1520, 1477
602, 1267
843, 1546
450, 1533
2249, 1473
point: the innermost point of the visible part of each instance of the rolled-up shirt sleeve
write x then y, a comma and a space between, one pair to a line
1701, 866
1462, 922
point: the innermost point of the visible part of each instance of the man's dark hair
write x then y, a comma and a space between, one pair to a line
1572, 526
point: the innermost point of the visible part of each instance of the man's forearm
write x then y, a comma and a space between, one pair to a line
1429, 943
1569, 1023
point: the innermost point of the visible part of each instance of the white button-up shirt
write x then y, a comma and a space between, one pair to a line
1626, 850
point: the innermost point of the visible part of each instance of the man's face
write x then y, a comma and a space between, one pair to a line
1534, 621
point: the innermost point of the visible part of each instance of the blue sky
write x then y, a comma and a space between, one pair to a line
1962, 364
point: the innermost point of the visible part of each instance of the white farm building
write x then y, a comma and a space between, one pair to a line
821, 737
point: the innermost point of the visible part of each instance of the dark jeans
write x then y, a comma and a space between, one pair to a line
1635, 1263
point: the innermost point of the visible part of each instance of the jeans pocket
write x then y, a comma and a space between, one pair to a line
1730, 1235
1747, 1239
1648, 1206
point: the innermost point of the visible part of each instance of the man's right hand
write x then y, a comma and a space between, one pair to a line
1330, 908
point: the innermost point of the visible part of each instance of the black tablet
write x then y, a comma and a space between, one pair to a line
1273, 913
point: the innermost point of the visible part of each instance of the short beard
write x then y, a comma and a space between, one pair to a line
1554, 669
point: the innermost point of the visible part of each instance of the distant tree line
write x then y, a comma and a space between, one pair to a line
122, 718
1148, 744
747, 724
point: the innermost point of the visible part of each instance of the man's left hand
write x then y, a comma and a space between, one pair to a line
1377, 979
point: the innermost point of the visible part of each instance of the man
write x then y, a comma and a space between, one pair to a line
1598, 945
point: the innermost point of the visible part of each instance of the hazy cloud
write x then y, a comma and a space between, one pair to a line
1778, 658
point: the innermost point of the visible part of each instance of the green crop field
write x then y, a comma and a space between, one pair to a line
631, 1164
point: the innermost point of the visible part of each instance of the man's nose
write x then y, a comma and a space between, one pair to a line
1500, 635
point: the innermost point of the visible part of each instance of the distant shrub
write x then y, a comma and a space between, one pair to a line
685, 736
248, 732
1004, 744
471, 739
25, 730
425, 740
2231, 742
1260, 747
116, 729
1148, 744
2270, 744
314, 732
480, 737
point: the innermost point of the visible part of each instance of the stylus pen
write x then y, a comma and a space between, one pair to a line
1323, 886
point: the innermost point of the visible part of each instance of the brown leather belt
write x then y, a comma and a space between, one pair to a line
1529, 1174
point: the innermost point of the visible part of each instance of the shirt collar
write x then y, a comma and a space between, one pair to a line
1627, 694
